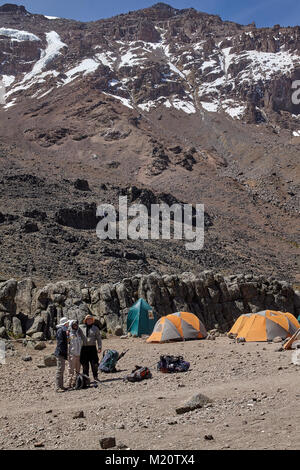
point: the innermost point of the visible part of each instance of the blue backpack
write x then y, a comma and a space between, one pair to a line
109, 360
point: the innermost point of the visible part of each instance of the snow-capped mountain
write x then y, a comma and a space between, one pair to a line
173, 101
155, 57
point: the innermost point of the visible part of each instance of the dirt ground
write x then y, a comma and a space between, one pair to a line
253, 387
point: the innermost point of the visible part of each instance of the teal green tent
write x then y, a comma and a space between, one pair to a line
141, 318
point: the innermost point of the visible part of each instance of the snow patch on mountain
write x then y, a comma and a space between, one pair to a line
7, 80
147, 106
211, 107
36, 75
185, 106
263, 65
86, 66
227, 58
106, 58
17, 35
129, 59
8, 105
124, 101
54, 45
234, 109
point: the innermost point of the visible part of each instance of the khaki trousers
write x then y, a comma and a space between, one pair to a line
74, 369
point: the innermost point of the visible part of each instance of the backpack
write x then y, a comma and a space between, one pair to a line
109, 360
138, 374
169, 364
82, 381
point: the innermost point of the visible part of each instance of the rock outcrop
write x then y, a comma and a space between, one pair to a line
216, 300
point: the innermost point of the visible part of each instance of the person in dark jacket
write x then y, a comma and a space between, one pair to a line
89, 352
61, 353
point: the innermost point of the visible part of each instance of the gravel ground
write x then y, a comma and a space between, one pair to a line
254, 390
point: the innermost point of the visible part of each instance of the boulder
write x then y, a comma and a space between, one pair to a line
50, 361
107, 442
23, 297
8, 291
82, 217
81, 185
30, 227
3, 333
38, 336
118, 331
76, 312
36, 326
197, 401
233, 291
17, 327
78, 415
26, 358
36, 346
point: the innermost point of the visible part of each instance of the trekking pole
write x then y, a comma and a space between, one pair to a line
123, 354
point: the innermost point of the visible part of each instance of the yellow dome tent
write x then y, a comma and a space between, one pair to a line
177, 326
265, 326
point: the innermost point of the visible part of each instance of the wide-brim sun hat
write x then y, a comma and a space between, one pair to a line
63, 321
87, 317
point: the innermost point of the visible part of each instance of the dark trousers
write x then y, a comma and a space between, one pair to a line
88, 356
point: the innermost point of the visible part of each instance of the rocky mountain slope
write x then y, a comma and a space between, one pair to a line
159, 103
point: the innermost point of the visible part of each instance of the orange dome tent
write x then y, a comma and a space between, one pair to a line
177, 326
265, 326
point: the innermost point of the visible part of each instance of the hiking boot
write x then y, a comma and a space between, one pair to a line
61, 389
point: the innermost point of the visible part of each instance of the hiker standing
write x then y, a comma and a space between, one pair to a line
61, 352
89, 353
75, 340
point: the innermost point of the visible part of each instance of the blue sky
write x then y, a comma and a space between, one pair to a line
263, 12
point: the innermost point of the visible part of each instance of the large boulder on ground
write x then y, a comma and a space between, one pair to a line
23, 297
17, 327
38, 336
76, 312
39, 346
8, 291
50, 361
81, 217
30, 227
36, 326
3, 333
82, 185
197, 401
118, 331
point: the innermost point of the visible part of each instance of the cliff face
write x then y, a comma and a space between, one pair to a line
26, 309
216, 65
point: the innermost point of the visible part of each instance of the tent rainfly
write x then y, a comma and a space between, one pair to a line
265, 326
141, 318
177, 326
